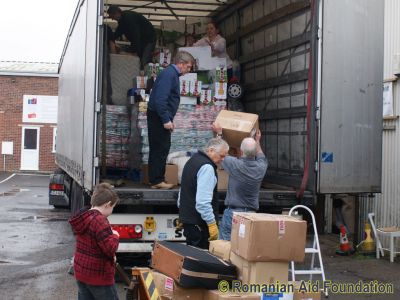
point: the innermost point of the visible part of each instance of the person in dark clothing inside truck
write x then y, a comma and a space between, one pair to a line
137, 29
161, 110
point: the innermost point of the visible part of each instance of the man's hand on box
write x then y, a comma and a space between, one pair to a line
216, 128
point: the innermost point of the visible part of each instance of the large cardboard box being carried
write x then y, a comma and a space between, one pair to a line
171, 174
217, 295
236, 126
260, 272
220, 248
168, 289
268, 237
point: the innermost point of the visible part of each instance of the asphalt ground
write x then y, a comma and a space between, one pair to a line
36, 246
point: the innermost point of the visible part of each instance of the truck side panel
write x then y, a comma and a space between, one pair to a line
93, 66
351, 101
77, 92
272, 41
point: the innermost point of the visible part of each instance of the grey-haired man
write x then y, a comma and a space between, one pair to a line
245, 177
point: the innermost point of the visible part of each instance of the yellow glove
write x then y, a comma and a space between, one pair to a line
213, 231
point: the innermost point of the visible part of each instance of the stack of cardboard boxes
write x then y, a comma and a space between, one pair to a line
261, 247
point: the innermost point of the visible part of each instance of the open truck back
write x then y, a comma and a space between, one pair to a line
311, 70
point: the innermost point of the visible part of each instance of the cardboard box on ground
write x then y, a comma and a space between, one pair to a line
251, 272
171, 174
302, 295
260, 272
236, 126
217, 295
169, 289
221, 249
284, 237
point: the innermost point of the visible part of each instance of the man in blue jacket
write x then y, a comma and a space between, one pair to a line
161, 110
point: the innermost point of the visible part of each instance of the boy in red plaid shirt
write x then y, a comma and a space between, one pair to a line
96, 244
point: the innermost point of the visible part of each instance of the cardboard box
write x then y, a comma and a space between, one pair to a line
171, 174
302, 295
260, 272
223, 179
268, 237
168, 289
221, 249
217, 295
236, 126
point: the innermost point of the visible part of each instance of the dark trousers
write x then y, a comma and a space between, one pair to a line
196, 235
147, 54
160, 143
94, 292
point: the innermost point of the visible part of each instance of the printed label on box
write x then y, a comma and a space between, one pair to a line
195, 88
206, 97
242, 230
141, 82
282, 227
169, 284
220, 90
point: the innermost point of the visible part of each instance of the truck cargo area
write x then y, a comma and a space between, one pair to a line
314, 84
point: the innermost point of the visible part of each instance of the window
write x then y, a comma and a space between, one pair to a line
54, 139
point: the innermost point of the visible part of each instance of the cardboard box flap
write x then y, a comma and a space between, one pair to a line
261, 217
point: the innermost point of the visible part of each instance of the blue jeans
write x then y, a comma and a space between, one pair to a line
226, 223
96, 292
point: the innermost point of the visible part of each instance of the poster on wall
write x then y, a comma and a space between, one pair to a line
388, 99
39, 109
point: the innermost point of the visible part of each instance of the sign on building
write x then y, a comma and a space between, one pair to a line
39, 109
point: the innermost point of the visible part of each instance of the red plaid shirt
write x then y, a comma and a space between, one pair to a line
95, 248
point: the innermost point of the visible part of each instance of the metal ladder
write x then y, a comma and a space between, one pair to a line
314, 250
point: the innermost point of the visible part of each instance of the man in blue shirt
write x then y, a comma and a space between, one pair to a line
198, 197
245, 177
161, 110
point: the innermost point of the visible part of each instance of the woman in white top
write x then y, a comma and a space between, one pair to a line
216, 41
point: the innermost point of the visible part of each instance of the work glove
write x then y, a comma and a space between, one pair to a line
213, 231
178, 224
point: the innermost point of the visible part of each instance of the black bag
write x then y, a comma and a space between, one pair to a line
191, 267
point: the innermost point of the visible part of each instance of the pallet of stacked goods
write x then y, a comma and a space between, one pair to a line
117, 130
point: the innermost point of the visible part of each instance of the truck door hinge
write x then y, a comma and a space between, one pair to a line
100, 20
317, 114
319, 33
316, 166
97, 107
96, 161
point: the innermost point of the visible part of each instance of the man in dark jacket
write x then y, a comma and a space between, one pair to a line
161, 110
137, 29
198, 197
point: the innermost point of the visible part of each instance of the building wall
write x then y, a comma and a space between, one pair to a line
386, 205
12, 89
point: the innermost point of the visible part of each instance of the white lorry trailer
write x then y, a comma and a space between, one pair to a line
311, 70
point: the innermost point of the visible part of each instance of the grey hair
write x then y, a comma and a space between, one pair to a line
249, 147
216, 144
183, 57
